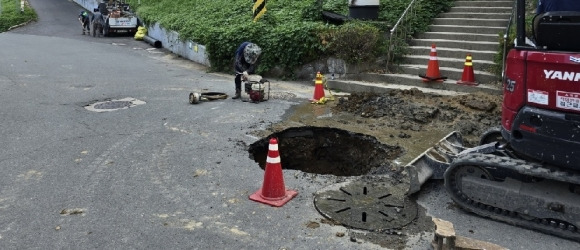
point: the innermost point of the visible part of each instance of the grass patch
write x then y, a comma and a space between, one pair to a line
10, 14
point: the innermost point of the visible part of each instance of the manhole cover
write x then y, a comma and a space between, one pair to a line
113, 105
371, 206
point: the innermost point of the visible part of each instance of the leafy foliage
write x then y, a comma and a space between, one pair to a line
10, 14
291, 33
355, 42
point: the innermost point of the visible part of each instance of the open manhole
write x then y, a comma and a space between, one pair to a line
374, 206
323, 150
112, 105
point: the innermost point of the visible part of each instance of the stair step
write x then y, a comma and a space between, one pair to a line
374, 82
471, 22
481, 9
459, 36
469, 27
448, 62
508, 4
475, 15
466, 29
451, 73
469, 45
454, 53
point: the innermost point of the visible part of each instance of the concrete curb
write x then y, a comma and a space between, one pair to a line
20, 25
380, 83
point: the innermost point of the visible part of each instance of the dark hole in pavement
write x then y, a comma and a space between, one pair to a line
113, 105
322, 150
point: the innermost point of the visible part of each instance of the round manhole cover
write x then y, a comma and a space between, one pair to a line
113, 105
371, 206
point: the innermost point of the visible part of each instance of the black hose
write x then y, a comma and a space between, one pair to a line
150, 40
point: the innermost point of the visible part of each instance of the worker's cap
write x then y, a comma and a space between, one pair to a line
251, 53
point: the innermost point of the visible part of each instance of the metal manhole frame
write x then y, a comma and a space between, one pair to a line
365, 205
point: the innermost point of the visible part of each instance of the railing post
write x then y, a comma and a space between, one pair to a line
402, 21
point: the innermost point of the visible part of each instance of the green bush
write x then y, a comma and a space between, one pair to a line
355, 42
291, 33
10, 14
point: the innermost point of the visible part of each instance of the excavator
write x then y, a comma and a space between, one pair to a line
525, 172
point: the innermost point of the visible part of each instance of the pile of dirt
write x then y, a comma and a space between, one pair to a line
414, 110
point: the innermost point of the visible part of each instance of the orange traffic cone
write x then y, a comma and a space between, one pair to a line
468, 78
273, 191
318, 88
433, 68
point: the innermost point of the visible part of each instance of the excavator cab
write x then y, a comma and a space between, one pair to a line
541, 108
557, 31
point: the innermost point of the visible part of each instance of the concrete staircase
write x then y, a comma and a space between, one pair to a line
469, 27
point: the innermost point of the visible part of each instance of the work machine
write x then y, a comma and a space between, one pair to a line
527, 171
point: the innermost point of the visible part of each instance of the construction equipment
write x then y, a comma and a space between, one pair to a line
256, 89
526, 172
118, 17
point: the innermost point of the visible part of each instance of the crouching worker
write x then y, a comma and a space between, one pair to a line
84, 19
244, 64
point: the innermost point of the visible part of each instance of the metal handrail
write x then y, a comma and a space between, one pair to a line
505, 42
394, 29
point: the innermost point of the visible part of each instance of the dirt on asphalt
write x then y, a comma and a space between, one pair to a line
407, 122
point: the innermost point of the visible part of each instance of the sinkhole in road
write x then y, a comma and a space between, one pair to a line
324, 150
376, 201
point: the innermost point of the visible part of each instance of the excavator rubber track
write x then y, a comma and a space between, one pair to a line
517, 192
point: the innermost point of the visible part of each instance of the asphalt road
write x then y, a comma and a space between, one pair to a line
161, 175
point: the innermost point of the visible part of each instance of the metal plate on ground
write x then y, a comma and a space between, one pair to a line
371, 206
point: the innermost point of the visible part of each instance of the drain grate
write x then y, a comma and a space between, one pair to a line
113, 105
370, 206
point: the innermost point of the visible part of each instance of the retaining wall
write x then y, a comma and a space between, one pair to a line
196, 52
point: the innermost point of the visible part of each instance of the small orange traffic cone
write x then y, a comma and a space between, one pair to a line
433, 68
468, 78
318, 88
273, 191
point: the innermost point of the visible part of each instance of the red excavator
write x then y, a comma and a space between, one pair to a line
526, 172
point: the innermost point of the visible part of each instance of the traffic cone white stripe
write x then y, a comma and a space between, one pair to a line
273, 147
433, 58
275, 160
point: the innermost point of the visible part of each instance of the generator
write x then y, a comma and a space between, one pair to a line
256, 89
